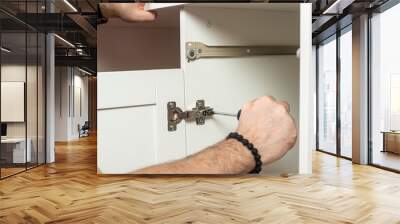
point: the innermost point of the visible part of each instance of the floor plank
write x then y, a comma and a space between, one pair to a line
70, 191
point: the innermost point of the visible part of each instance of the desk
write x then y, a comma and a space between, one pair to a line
13, 150
391, 141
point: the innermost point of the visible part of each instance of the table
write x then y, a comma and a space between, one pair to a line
391, 141
13, 150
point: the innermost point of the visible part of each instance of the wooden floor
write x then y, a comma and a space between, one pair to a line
5, 172
69, 191
386, 159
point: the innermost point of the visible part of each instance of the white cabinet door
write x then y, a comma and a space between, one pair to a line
132, 119
227, 83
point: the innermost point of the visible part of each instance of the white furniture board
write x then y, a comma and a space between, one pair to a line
136, 135
227, 83
155, 6
283, 7
307, 121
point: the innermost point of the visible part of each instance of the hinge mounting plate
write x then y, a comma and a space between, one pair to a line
199, 113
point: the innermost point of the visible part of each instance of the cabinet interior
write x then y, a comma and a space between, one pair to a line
126, 46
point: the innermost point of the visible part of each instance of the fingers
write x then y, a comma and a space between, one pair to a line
140, 5
280, 102
142, 15
249, 104
130, 12
284, 104
267, 98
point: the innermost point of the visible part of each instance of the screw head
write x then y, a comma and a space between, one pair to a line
191, 53
171, 127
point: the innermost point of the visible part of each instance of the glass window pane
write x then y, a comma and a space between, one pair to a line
13, 87
22, 90
32, 95
41, 98
346, 94
385, 84
32, 88
327, 97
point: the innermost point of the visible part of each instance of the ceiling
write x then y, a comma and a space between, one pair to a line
329, 16
76, 24
79, 28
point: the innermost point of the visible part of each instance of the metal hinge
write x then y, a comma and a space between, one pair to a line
176, 115
196, 50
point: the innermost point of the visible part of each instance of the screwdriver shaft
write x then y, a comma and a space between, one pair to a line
237, 115
223, 113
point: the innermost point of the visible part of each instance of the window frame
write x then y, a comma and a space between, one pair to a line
334, 37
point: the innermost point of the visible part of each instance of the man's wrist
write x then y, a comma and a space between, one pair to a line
241, 157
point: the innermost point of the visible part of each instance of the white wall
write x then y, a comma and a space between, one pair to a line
79, 117
17, 73
14, 73
69, 81
61, 103
33, 126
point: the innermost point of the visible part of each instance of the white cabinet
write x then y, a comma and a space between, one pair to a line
154, 70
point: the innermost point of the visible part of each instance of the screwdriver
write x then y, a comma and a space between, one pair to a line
229, 114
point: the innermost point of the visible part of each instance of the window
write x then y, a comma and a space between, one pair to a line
327, 96
394, 102
334, 63
346, 93
22, 78
385, 89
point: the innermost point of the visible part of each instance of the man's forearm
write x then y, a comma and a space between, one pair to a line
226, 157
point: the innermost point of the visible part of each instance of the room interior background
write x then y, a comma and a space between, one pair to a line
22, 87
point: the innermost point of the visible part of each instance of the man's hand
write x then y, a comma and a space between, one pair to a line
129, 12
267, 124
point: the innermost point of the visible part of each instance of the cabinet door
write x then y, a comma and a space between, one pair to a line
132, 119
227, 83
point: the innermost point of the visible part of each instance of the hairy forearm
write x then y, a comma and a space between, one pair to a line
226, 157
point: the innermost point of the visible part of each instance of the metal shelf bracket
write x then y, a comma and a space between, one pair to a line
197, 50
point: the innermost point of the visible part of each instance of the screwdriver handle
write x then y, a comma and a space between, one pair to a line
238, 114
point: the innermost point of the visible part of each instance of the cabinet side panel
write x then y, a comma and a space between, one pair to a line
307, 91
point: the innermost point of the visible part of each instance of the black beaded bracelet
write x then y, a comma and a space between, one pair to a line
249, 146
